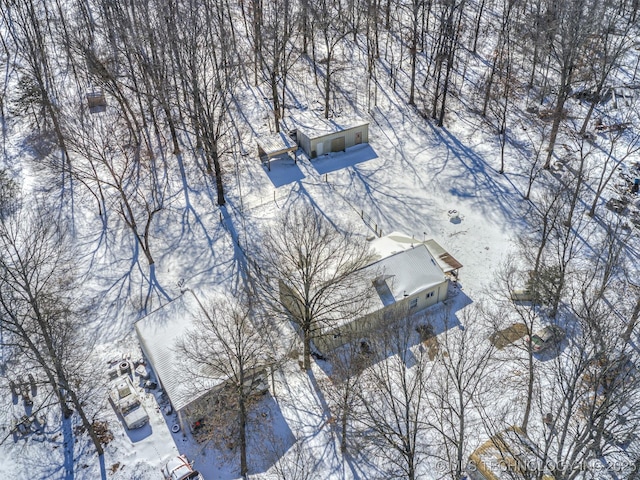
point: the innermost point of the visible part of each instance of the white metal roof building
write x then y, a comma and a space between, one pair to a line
319, 136
159, 334
406, 273
193, 388
397, 242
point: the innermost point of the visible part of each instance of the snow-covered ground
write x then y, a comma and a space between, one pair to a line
408, 179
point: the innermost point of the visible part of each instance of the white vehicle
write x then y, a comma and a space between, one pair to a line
179, 468
125, 400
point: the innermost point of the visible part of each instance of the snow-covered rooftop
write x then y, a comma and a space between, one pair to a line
276, 144
444, 259
314, 127
406, 272
397, 242
159, 334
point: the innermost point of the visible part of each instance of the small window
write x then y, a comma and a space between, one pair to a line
413, 303
430, 294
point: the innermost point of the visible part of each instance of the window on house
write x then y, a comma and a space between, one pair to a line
430, 294
413, 303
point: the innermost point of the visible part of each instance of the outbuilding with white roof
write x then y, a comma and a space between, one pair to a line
275, 145
319, 136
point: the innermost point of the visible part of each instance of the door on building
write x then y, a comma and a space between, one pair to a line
358, 138
319, 149
337, 144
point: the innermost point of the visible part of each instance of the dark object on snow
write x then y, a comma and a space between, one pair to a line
32, 384
150, 385
25, 390
617, 205
15, 392
96, 100
318, 356
124, 367
365, 348
549, 336
425, 331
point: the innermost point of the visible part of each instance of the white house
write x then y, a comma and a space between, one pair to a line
406, 278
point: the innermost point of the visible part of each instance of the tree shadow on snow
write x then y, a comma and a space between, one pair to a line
216, 456
63, 451
425, 327
475, 180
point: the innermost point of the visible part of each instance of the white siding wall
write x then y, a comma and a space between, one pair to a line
368, 324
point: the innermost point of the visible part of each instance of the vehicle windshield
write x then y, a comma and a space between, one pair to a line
195, 475
536, 340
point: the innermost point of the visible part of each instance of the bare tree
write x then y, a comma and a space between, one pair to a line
448, 44
9, 196
511, 278
296, 463
347, 364
460, 389
26, 23
607, 50
393, 394
570, 25
622, 143
332, 29
535, 136
279, 52
40, 328
227, 345
122, 175
212, 69
311, 273
589, 396
415, 12
500, 82
547, 212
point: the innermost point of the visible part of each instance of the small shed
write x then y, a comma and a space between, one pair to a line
96, 100
324, 136
274, 145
